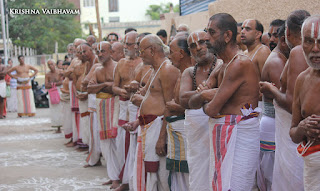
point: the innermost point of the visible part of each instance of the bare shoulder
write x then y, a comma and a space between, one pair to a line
168, 69
296, 53
121, 62
264, 50
273, 60
188, 71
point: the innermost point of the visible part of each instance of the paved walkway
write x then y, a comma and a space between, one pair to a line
33, 157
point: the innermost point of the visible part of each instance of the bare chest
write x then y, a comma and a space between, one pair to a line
310, 98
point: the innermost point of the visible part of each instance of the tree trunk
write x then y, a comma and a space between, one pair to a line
98, 20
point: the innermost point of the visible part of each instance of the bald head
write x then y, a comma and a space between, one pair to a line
104, 51
91, 39
183, 27
117, 51
78, 41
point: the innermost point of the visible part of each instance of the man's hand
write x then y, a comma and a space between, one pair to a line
203, 86
172, 105
124, 93
82, 97
267, 88
131, 126
311, 127
137, 99
161, 147
208, 95
134, 86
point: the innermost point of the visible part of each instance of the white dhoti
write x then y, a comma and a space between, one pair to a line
67, 115
75, 116
311, 172
128, 169
177, 154
267, 153
94, 144
84, 121
108, 115
3, 89
147, 161
123, 138
197, 132
26, 106
234, 152
288, 166
56, 113
12, 101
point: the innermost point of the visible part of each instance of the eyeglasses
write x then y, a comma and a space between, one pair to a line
142, 51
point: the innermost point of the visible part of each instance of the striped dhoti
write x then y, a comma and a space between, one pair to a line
74, 104
108, 114
177, 154
149, 169
234, 151
26, 106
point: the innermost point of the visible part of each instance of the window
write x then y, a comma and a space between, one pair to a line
114, 19
113, 6
88, 3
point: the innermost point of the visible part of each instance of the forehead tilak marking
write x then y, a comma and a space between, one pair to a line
198, 36
274, 29
192, 38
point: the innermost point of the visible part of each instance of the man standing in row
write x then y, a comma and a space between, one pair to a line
287, 175
305, 108
234, 126
107, 108
151, 150
271, 72
26, 106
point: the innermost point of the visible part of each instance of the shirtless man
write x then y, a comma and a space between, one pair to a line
232, 106
305, 107
112, 38
68, 86
91, 39
271, 73
251, 37
101, 84
71, 51
124, 74
286, 159
3, 71
152, 134
196, 121
241, 46
265, 40
26, 106
80, 71
117, 51
177, 143
273, 32
54, 79
183, 27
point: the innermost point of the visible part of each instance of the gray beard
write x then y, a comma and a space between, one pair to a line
314, 66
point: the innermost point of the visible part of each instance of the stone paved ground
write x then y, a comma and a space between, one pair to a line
33, 157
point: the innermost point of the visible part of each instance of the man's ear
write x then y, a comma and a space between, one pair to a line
181, 53
258, 34
227, 36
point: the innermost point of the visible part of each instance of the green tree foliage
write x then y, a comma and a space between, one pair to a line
155, 11
41, 31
